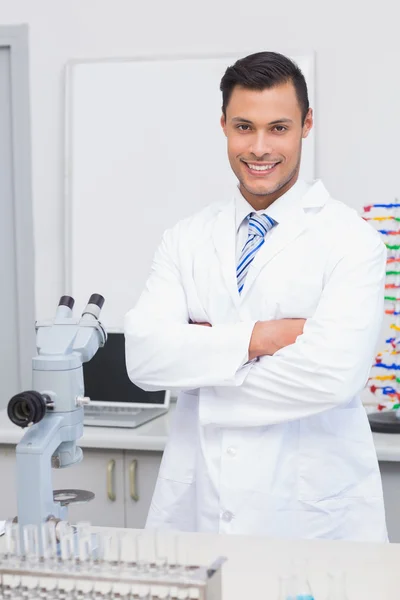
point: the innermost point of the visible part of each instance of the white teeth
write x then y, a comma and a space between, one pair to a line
260, 168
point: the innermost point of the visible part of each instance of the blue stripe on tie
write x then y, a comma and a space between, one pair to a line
262, 224
258, 227
252, 251
249, 256
242, 275
250, 239
271, 221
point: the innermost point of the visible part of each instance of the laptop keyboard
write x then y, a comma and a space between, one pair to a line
111, 411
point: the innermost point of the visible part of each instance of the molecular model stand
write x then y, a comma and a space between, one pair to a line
384, 382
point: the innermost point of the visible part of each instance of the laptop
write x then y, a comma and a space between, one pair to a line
115, 400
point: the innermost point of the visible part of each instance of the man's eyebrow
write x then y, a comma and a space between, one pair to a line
242, 120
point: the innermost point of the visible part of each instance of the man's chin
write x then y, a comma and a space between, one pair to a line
262, 189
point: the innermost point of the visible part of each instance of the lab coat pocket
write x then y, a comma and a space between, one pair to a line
298, 298
178, 462
337, 457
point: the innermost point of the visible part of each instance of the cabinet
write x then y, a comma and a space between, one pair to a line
122, 481
141, 470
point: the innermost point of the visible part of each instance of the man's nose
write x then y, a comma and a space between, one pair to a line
261, 145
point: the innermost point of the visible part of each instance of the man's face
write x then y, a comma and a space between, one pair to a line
264, 132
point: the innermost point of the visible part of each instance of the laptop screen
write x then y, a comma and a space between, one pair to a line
106, 379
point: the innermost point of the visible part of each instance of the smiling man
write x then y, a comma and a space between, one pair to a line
265, 154
263, 311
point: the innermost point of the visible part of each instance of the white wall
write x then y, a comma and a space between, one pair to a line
358, 85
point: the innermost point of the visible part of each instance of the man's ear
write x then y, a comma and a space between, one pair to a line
223, 123
308, 123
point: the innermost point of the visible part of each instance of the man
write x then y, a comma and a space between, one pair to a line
264, 311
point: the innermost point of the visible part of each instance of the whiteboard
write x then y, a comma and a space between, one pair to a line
144, 149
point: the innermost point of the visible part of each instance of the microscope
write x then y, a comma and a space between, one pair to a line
53, 411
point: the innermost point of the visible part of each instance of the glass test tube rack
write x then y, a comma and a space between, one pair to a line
72, 563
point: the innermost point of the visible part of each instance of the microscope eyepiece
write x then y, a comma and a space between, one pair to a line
94, 306
96, 299
67, 301
26, 408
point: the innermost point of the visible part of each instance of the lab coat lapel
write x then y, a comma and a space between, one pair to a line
224, 238
283, 235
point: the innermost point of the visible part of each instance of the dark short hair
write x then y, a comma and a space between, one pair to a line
264, 70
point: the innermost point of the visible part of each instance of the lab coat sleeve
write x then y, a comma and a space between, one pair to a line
164, 351
329, 363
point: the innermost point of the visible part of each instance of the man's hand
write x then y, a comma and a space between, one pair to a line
270, 336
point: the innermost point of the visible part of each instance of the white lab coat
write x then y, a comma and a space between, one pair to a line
281, 446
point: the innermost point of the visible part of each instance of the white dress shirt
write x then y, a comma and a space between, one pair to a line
276, 211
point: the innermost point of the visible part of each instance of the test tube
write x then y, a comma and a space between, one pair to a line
96, 594
163, 548
127, 552
173, 593
96, 550
31, 544
16, 589
183, 593
163, 592
49, 544
145, 552
144, 592
182, 556
110, 550
67, 549
13, 542
85, 548
135, 592
63, 529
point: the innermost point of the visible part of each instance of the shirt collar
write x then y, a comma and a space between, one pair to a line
279, 210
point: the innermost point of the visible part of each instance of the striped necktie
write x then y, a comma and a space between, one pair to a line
259, 225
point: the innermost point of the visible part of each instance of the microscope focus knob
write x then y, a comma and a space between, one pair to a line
82, 400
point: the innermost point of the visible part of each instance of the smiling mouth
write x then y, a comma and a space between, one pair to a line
260, 168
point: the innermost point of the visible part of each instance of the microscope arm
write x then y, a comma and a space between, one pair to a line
41, 441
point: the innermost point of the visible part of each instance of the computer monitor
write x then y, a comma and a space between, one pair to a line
106, 380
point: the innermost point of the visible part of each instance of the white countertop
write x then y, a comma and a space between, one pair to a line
254, 564
152, 436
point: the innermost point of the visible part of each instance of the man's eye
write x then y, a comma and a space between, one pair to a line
241, 126
280, 128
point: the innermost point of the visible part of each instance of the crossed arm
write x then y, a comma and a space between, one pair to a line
268, 337
304, 369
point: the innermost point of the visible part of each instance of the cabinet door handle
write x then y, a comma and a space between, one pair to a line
110, 480
132, 480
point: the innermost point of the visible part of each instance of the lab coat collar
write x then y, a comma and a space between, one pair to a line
281, 209
290, 212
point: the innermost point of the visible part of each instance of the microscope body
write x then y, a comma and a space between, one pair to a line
53, 412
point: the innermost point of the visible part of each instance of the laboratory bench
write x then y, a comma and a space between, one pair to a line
121, 465
254, 564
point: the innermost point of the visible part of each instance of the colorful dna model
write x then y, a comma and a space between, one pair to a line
385, 373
